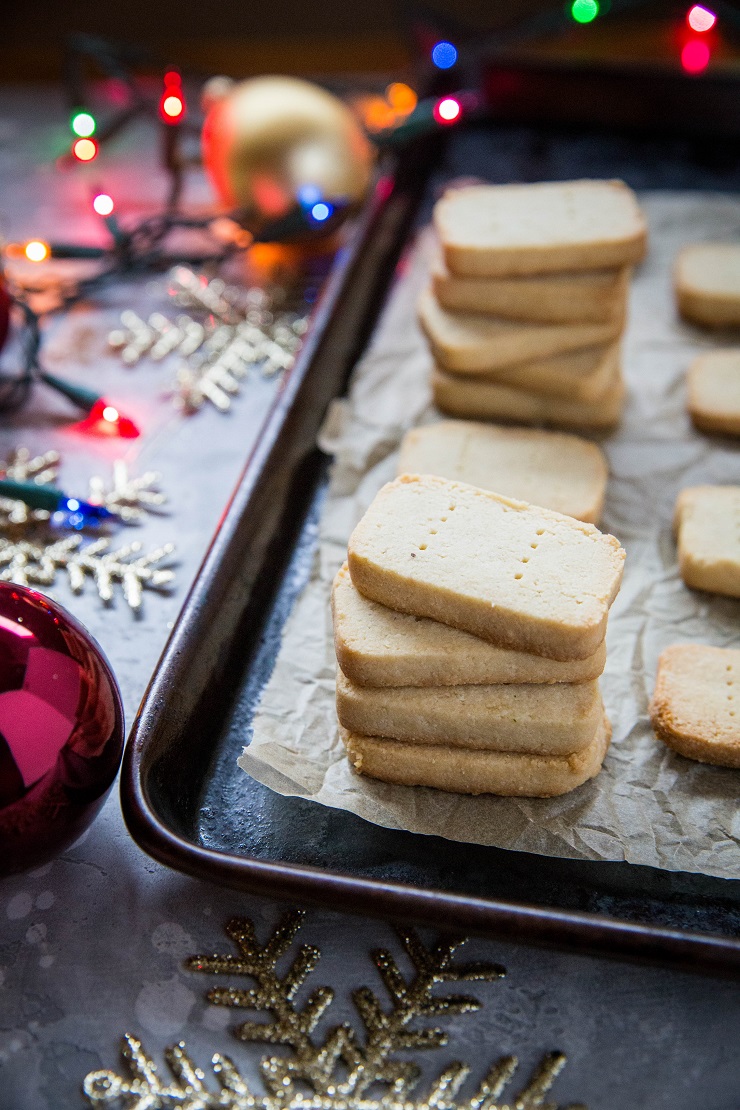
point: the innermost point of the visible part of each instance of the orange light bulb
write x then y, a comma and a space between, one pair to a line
401, 98
37, 251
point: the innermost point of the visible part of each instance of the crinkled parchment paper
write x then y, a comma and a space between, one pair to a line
648, 805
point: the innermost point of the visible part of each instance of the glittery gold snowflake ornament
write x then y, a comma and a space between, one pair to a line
344, 1071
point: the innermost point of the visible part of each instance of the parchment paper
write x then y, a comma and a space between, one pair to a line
648, 805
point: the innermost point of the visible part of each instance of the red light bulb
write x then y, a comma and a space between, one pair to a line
172, 102
695, 56
447, 110
104, 419
172, 106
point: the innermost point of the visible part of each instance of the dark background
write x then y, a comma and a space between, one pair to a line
244, 37
241, 38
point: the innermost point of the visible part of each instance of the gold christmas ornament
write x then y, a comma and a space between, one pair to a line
270, 142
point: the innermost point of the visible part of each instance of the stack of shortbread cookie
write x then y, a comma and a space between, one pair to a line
469, 631
528, 301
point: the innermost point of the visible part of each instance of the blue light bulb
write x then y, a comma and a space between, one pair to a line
71, 512
321, 211
444, 55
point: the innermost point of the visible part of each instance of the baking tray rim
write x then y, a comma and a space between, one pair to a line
587, 934
584, 932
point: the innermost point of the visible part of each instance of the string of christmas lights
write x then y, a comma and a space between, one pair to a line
142, 247
132, 251
696, 40
392, 120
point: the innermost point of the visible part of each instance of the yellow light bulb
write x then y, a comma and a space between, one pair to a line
37, 251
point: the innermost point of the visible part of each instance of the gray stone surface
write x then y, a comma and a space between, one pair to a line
92, 945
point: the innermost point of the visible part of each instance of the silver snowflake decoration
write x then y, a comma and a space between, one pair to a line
33, 553
21, 466
156, 337
37, 564
131, 499
237, 330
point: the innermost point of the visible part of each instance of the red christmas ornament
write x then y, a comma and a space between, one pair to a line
61, 728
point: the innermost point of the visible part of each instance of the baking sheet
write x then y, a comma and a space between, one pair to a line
648, 805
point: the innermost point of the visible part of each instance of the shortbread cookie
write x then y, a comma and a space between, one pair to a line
559, 472
476, 772
706, 279
376, 646
474, 399
504, 230
707, 525
468, 343
696, 705
597, 296
713, 384
558, 719
586, 375
522, 577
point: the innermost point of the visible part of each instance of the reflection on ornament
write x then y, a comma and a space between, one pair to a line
61, 728
267, 138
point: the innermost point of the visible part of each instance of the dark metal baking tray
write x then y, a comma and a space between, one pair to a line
184, 800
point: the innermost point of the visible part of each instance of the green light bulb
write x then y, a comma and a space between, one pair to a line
584, 11
83, 124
